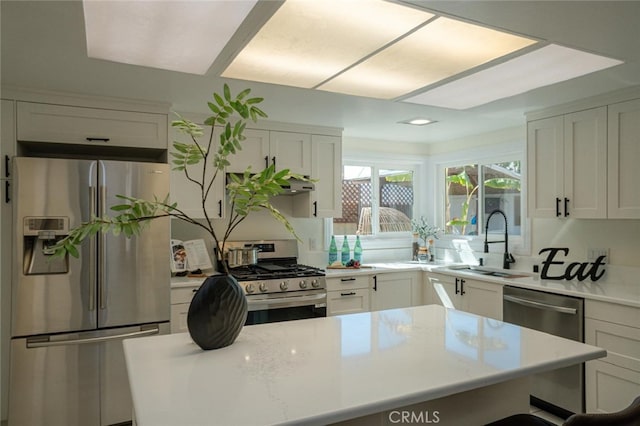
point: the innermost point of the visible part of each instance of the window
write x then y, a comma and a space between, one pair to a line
474, 191
375, 200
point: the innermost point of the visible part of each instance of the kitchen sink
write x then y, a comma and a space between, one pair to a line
487, 272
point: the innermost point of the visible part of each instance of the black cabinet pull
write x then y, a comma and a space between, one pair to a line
461, 287
566, 207
347, 279
7, 192
351, 293
457, 291
273, 159
98, 139
375, 283
315, 209
558, 206
266, 161
219, 208
7, 171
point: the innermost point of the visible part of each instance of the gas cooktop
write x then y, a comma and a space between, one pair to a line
266, 271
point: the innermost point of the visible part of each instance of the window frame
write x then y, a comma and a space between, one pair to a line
518, 244
380, 239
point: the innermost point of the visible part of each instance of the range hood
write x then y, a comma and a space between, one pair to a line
297, 186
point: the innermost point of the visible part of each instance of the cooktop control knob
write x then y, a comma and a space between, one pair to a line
263, 287
249, 288
283, 285
315, 283
303, 284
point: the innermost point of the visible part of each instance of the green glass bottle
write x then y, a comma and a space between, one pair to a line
357, 250
333, 250
346, 251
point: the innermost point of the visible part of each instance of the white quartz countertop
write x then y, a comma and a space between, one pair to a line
325, 370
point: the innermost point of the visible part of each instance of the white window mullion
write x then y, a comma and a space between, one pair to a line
375, 200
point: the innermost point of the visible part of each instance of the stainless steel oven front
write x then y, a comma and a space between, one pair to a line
286, 306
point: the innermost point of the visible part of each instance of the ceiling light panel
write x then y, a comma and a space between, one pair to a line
542, 67
439, 50
177, 36
307, 42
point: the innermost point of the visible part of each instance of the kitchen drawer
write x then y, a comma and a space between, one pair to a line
182, 294
611, 312
91, 126
609, 388
621, 342
348, 282
349, 301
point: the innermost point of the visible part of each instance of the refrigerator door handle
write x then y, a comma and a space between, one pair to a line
102, 268
92, 251
43, 342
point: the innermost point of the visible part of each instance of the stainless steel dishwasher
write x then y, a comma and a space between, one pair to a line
560, 391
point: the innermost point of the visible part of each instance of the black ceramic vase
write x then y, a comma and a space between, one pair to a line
217, 312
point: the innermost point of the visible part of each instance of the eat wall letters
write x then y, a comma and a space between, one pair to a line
574, 270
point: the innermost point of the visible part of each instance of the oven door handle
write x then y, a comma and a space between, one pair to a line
286, 302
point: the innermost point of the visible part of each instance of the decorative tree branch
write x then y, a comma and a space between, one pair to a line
246, 192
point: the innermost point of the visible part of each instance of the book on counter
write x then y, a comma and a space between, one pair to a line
189, 256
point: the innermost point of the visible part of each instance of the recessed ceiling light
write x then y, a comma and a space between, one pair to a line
542, 67
418, 121
176, 36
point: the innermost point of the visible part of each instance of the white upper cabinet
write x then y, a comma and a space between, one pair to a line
188, 194
326, 168
254, 152
567, 165
287, 150
39, 122
624, 153
291, 151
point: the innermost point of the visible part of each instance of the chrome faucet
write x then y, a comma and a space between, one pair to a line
508, 258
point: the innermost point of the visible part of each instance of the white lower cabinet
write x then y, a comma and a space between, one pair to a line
180, 301
478, 297
396, 290
348, 295
614, 381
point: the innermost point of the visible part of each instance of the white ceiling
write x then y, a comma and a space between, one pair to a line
43, 46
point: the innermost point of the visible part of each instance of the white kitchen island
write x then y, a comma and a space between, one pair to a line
437, 365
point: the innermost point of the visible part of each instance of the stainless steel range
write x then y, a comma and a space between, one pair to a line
276, 286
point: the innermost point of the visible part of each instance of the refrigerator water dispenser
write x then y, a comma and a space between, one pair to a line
40, 234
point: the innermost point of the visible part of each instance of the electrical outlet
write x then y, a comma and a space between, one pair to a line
594, 253
312, 244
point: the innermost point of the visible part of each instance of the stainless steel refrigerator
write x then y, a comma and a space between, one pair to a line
70, 315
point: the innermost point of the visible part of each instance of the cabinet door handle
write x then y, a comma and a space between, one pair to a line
558, 200
273, 159
7, 192
457, 291
266, 161
461, 287
219, 208
315, 209
98, 139
351, 293
7, 171
347, 279
566, 207
375, 283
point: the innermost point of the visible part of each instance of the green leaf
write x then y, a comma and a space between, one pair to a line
227, 92
120, 207
242, 94
254, 101
218, 99
213, 107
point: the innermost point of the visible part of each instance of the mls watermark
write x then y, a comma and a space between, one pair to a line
414, 417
